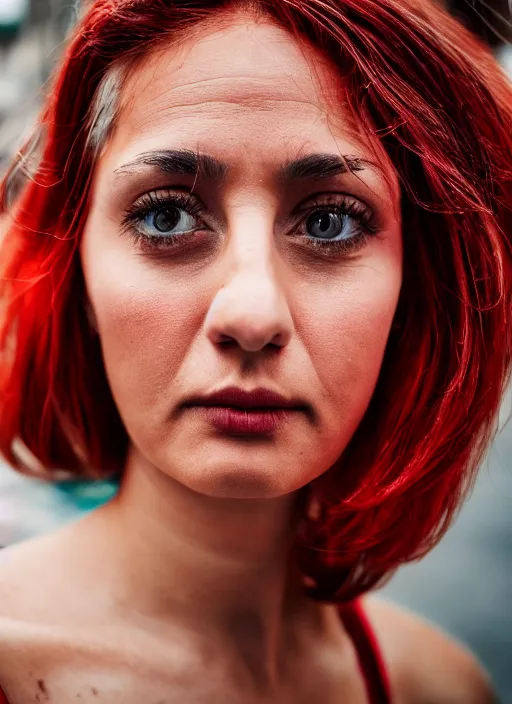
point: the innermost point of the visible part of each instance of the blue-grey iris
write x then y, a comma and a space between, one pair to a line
325, 225
166, 219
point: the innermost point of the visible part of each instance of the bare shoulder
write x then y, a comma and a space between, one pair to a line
35, 577
23, 568
426, 666
26, 623
18, 574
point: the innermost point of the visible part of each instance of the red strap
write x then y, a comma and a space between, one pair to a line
3, 698
369, 656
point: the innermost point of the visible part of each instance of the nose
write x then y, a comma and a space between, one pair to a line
251, 309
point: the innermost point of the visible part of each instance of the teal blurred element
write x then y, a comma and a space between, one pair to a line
88, 495
13, 15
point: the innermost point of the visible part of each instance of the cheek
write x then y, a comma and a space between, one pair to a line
146, 321
347, 332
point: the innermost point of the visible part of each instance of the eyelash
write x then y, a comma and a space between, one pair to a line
341, 205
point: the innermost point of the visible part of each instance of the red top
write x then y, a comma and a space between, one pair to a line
369, 655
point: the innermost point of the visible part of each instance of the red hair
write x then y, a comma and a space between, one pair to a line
442, 109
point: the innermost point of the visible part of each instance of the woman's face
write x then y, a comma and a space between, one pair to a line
248, 272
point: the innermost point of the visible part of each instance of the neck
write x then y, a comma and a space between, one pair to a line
220, 567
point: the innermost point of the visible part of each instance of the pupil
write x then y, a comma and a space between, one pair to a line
325, 225
166, 219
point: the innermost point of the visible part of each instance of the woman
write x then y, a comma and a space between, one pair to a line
262, 266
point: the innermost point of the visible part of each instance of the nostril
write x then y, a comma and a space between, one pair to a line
226, 340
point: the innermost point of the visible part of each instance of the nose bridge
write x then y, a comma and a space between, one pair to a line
251, 307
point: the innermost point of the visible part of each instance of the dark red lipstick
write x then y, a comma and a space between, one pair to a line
257, 412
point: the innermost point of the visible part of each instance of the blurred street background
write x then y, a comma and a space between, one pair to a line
465, 584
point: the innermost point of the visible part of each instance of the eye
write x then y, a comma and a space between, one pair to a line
159, 216
343, 223
327, 225
162, 220
168, 220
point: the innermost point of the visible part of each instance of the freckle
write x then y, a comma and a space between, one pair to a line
42, 687
94, 691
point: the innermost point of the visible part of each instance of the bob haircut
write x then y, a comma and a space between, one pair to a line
436, 100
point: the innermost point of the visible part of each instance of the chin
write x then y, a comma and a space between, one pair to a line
242, 484
240, 469
237, 482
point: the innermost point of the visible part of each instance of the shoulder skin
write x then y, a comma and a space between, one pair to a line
425, 665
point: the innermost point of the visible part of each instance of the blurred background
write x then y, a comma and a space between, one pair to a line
465, 584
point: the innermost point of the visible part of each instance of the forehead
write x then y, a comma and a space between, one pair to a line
259, 61
244, 89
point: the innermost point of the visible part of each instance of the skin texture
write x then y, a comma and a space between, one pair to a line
307, 326
247, 303
188, 568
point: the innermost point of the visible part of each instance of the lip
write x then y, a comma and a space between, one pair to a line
240, 412
233, 397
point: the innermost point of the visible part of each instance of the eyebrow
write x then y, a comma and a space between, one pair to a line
179, 161
317, 166
190, 163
